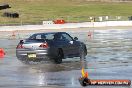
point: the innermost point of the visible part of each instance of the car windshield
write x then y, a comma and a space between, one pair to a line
45, 36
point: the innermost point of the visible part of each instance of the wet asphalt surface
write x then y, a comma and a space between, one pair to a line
109, 57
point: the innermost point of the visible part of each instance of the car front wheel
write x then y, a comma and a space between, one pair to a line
83, 52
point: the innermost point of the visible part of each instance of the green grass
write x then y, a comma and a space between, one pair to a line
35, 11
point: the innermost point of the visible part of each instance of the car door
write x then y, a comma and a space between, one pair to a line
71, 46
61, 42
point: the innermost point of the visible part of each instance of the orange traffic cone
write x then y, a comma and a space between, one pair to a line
2, 53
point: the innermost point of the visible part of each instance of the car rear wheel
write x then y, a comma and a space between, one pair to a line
25, 60
59, 58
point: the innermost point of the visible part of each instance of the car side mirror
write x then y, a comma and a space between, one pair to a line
75, 38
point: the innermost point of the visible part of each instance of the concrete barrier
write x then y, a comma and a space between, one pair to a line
48, 22
67, 25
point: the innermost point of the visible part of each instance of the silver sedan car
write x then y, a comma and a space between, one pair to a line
53, 45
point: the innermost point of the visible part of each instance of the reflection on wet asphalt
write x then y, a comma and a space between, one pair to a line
109, 57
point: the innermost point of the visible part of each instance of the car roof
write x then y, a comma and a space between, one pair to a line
49, 33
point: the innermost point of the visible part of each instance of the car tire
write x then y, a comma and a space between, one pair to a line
24, 61
83, 52
59, 58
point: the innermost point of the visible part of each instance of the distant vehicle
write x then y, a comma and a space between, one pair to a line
53, 45
4, 6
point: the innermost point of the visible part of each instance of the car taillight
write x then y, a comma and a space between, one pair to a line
20, 46
44, 45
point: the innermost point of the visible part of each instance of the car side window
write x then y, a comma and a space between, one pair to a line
49, 36
38, 37
35, 36
66, 37
57, 37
